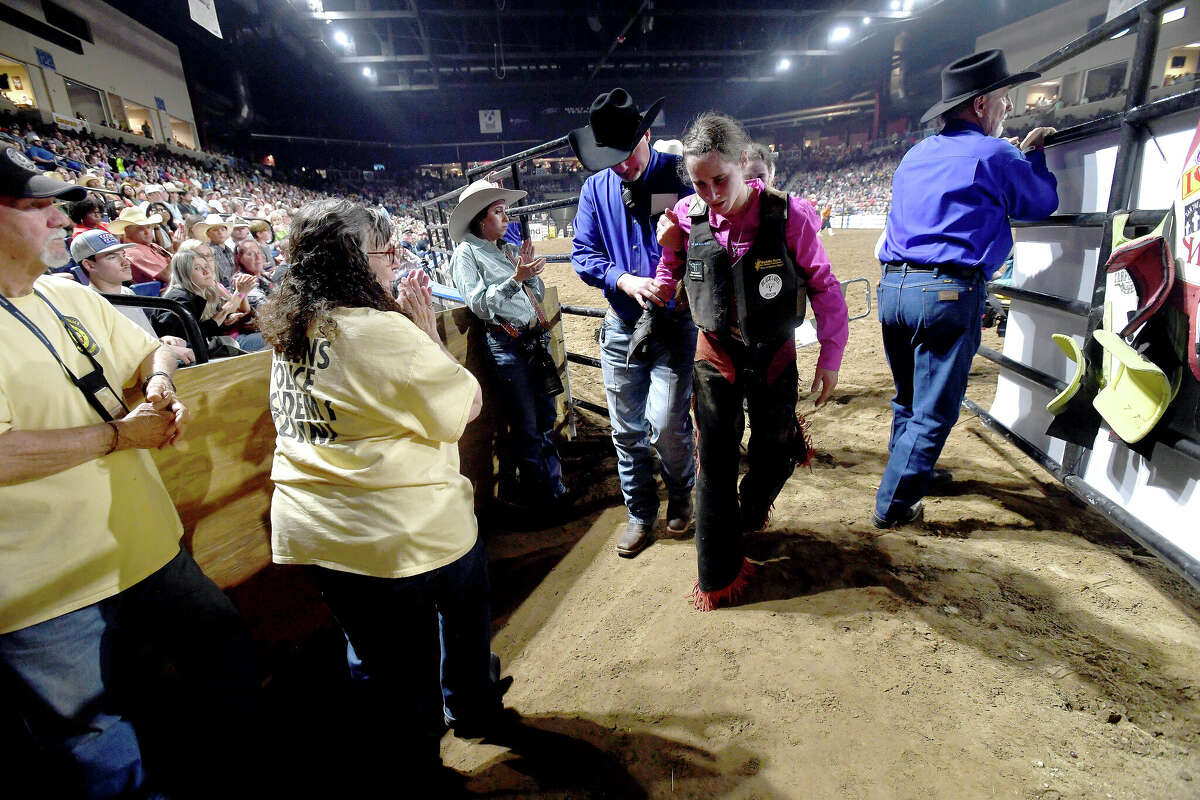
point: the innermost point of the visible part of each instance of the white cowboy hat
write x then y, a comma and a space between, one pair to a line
134, 215
475, 198
200, 229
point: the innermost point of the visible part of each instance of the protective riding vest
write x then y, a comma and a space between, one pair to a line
763, 288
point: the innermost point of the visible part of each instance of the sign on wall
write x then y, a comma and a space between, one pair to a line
204, 14
160, 104
45, 59
489, 121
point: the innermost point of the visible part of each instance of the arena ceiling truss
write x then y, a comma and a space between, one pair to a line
424, 45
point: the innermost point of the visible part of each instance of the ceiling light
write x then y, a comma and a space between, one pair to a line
784, 65
839, 34
368, 72
1174, 14
908, 5
866, 20
341, 38
895, 5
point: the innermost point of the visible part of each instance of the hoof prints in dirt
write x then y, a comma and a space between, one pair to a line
792, 565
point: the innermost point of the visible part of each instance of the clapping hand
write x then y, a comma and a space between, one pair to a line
526, 265
416, 301
243, 282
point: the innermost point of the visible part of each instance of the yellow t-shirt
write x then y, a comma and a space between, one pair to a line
71, 539
366, 456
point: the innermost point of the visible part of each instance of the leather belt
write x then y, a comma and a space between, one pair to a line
967, 273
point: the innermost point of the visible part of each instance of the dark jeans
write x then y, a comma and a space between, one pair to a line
530, 413
931, 330
163, 669
770, 456
421, 649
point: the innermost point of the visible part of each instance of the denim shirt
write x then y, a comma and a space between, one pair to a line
484, 276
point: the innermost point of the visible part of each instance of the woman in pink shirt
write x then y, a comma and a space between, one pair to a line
747, 256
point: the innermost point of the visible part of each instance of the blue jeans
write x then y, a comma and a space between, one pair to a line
530, 413
931, 330
419, 647
648, 405
81, 684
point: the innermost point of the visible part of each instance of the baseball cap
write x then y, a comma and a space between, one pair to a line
90, 244
20, 177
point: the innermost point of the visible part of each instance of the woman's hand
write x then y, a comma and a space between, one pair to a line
824, 381
243, 282
416, 301
670, 235
526, 265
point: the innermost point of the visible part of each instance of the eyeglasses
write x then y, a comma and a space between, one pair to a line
390, 253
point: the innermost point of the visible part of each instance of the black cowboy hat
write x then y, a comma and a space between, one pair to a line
972, 76
614, 129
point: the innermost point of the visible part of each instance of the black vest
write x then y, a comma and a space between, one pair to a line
764, 286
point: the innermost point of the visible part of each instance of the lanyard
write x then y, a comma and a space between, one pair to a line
92, 384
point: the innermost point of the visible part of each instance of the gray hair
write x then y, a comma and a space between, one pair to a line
181, 278
713, 131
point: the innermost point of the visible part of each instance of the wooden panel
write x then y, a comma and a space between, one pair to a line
218, 475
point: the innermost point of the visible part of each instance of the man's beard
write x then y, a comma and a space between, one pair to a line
49, 255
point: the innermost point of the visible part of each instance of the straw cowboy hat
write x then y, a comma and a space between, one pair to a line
475, 198
235, 221
972, 76
615, 126
88, 180
200, 229
134, 215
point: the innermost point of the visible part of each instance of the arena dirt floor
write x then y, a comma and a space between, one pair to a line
1013, 645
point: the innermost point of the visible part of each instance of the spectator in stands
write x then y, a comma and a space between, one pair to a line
239, 230
249, 261
947, 233
95, 591
260, 229
501, 285
150, 261
87, 214
747, 348
649, 385
216, 231
101, 256
368, 407
41, 153
760, 164
216, 311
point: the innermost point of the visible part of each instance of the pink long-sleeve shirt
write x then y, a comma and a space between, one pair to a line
803, 222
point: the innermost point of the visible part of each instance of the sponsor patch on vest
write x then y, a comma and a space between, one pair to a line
770, 286
695, 270
768, 263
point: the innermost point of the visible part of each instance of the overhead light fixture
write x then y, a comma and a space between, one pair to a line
784, 65
368, 72
1174, 14
895, 5
341, 38
839, 34
866, 20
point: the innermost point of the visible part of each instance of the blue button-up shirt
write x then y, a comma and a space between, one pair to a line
609, 241
954, 194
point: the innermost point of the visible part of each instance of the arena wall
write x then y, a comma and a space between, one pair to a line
126, 59
1162, 491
